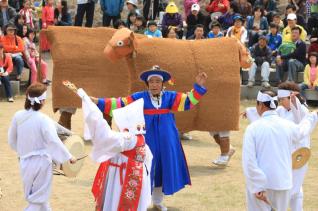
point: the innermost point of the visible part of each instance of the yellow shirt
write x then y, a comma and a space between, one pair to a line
287, 34
307, 76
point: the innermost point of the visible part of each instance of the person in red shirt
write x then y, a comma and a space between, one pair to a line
6, 67
47, 20
218, 6
13, 44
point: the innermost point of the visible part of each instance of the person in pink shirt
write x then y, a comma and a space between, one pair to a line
187, 6
221, 6
310, 74
27, 14
47, 20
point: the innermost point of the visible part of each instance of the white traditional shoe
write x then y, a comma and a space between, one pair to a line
160, 207
185, 136
222, 160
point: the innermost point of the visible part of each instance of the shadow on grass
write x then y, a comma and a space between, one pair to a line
196, 143
197, 171
169, 208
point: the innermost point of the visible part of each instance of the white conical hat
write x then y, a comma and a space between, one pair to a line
130, 117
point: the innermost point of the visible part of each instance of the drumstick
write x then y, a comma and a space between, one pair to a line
70, 86
80, 158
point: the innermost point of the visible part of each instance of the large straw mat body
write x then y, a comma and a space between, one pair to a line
75, 145
300, 157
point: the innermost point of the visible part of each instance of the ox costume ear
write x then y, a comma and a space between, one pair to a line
134, 44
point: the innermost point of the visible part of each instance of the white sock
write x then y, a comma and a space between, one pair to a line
157, 195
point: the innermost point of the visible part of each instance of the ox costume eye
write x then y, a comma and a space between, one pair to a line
120, 43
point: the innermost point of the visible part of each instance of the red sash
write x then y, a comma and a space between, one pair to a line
131, 184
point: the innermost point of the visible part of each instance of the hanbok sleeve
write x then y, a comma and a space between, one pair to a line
186, 101
299, 111
106, 143
12, 135
304, 128
255, 178
54, 145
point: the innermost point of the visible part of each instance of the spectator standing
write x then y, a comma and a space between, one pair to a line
294, 61
111, 11
292, 19
256, 25
187, 4
262, 56
238, 30
310, 74
33, 59
132, 6
151, 9
220, 6
291, 9
87, 8
227, 20
47, 20
215, 30
196, 17
173, 18
6, 68
274, 38
152, 30
7, 14
27, 13
198, 33
245, 8
62, 17
13, 44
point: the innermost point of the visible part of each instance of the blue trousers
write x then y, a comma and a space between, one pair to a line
7, 86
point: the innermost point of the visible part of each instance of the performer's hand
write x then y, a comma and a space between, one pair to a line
261, 196
201, 78
73, 160
70, 86
94, 99
244, 115
293, 98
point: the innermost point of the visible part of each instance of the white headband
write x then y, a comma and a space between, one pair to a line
261, 97
152, 75
281, 93
37, 99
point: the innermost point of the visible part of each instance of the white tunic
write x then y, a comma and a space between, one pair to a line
267, 147
33, 136
108, 145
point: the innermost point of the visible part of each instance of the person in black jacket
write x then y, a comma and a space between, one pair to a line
300, 19
61, 15
194, 18
262, 55
10, 14
294, 61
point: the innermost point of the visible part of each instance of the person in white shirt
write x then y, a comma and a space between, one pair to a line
33, 135
266, 156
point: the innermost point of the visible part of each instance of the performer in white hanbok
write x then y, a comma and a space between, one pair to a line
33, 136
267, 147
294, 112
123, 178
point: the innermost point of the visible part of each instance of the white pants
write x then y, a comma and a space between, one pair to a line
278, 199
36, 172
296, 201
157, 195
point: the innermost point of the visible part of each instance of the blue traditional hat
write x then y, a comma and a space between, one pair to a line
155, 71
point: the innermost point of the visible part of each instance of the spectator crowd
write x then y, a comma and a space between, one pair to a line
285, 40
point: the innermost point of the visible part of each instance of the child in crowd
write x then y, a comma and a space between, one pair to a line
47, 20
238, 30
277, 20
139, 25
215, 30
310, 74
274, 39
27, 13
152, 30
119, 24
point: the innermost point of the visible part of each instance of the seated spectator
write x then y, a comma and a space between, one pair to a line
219, 6
269, 7
19, 22
295, 60
215, 30
152, 30
6, 68
198, 33
62, 17
277, 20
300, 6
13, 44
7, 14
16, 4
111, 11
140, 25
238, 30
132, 6
313, 17
131, 19
173, 18
274, 38
171, 33
32, 58
313, 47
256, 25
187, 4
196, 17
262, 56
310, 74
227, 20
287, 34
245, 8
27, 14
291, 9
120, 24
25, 29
